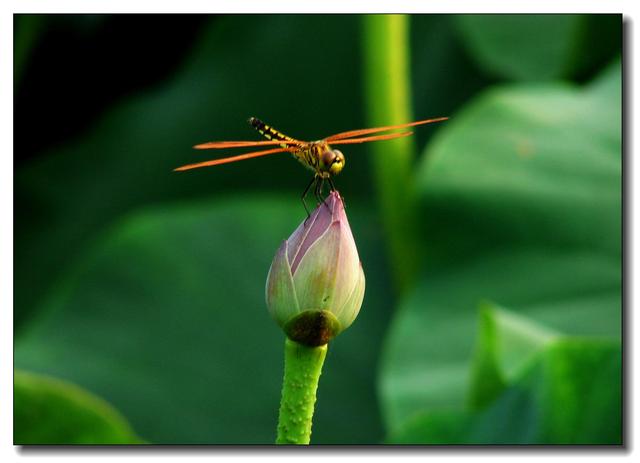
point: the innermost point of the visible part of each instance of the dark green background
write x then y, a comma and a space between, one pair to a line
145, 287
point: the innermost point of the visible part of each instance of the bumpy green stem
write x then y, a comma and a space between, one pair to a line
302, 368
388, 101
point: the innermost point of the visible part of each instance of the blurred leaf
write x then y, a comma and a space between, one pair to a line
572, 395
540, 47
438, 427
568, 393
427, 356
527, 166
51, 411
167, 320
522, 195
442, 427
600, 41
506, 343
443, 75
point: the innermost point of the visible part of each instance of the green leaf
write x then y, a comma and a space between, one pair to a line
540, 47
528, 166
568, 392
50, 411
587, 381
522, 198
167, 320
572, 395
506, 344
427, 357
439, 427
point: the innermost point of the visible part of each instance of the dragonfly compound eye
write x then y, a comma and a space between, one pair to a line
333, 161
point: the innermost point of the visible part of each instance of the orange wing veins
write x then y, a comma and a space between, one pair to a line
244, 144
255, 154
343, 138
389, 136
356, 133
240, 157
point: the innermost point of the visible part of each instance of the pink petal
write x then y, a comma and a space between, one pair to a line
311, 229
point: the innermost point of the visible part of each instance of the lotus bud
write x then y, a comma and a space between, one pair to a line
316, 283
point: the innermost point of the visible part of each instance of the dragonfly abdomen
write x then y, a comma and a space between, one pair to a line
267, 131
308, 155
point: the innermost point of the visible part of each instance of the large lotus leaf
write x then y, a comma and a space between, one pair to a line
522, 196
527, 166
553, 389
571, 393
506, 343
50, 411
166, 319
441, 427
539, 47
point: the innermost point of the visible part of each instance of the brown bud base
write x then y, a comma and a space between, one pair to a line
313, 328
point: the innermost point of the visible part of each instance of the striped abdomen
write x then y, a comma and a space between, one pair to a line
268, 132
307, 154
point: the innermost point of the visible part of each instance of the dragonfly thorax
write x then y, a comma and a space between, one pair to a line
321, 158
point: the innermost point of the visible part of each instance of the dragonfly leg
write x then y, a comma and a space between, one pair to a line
304, 194
316, 191
333, 188
319, 195
319, 188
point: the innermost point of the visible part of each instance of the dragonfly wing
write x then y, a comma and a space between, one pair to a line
245, 144
240, 157
389, 136
357, 133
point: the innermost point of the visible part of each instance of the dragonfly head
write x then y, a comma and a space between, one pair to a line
332, 161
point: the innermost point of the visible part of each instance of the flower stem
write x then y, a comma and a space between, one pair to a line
388, 101
302, 368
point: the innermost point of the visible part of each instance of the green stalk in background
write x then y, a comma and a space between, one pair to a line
388, 101
302, 368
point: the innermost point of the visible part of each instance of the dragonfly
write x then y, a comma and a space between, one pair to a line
319, 156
